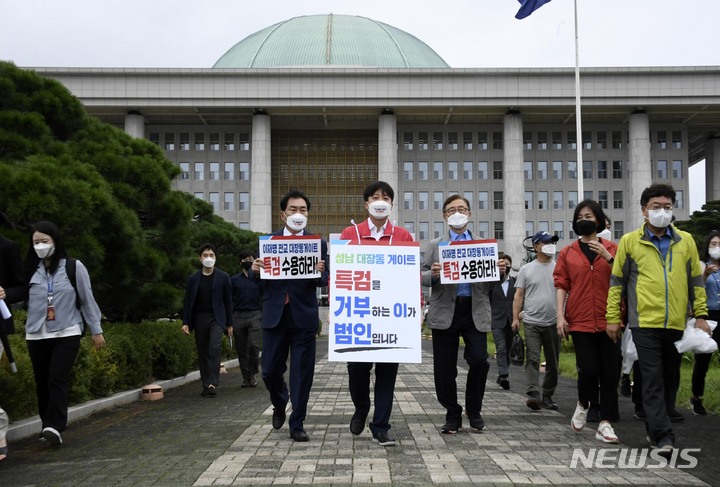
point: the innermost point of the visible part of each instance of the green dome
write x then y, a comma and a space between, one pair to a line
331, 40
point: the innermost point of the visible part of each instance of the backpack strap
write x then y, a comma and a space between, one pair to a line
71, 270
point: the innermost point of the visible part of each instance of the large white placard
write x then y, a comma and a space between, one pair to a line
292, 257
467, 261
375, 303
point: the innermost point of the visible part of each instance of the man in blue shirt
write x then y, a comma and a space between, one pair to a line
247, 318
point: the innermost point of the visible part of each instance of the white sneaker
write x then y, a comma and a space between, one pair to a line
579, 417
605, 433
52, 436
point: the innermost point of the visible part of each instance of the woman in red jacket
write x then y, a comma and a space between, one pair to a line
582, 280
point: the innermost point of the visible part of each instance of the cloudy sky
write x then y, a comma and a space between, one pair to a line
466, 33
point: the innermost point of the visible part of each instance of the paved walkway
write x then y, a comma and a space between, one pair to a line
186, 440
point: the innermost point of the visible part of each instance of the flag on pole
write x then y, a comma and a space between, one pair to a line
529, 6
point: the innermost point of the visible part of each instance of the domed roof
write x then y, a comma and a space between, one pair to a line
331, 40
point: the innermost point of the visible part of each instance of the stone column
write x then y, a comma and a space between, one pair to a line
260, 181
712, 170
513, 187
387, 150
639, 166
135, 124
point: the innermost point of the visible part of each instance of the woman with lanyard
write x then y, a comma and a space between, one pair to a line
55, 324
710, 258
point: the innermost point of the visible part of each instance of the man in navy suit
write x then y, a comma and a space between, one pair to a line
290, 320
501, 301
207, 310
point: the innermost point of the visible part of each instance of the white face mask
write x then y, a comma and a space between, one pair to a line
457, 220
379, 209
660, 218
296, 222
44, 250
605, 234
549, 249
714, 253
208, 262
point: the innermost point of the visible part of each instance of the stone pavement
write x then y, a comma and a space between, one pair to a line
186, 440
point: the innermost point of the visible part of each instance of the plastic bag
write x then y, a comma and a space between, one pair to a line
517, 350
695, 340
629, 352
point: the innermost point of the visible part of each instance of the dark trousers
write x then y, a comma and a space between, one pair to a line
702, 360
52, 361
208, 340
503, 341
288, 339
659, 363
247, 329
536, 338
597, 358
445, 355
359, 382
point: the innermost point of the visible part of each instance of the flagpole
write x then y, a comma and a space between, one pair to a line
578, 116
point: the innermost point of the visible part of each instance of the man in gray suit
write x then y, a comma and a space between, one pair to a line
457, 310
501, 300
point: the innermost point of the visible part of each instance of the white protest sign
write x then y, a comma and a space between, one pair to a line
468, 261
375, 313
292, 257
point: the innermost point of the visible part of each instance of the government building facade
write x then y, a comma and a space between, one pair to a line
330, 103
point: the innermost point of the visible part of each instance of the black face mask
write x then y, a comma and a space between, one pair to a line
247, 265
586, 227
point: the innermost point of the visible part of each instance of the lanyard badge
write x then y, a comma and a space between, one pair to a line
50, 306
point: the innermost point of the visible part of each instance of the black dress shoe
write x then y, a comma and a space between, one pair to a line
504, 382
357, 423
299, 436
278, 418
383, 439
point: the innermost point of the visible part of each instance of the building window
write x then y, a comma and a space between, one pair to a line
542, 143
557, 170
154, 138
228, 203
452, 170
229, 142
482, 141
498, 200
438, 229
423, 141
438, 140
199, 195
617, 169
467, 170
497, 170
602, 140
617, 140
661, 139
184, 141
408, 140
243, 201
557, 143
558, 200
422, 171
618, 230
544, 226
483, 229
169, 141
229, 172
661, 169
244, 172
528, 170
408, 200
409, 226
214, 171
244, 225
587, 170
586, 140
199, 141
423, 200
470, 196
529, 229
497, 140
542, 200
499, 230
199, 171
438, 199
602, 170
529, 196
437, 170
559, 229
408, 171
679, 204
572, 140
424, 230
542, 170
483, 200
214, 200
572, 200
618, 200
603, 199
244, 141
527, 140
677, 169
467, 140
215, 141
676, 139
482, 171
184, 170
452, 141
572, 169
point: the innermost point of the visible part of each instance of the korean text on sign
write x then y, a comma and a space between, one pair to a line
290, 257
468, 261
